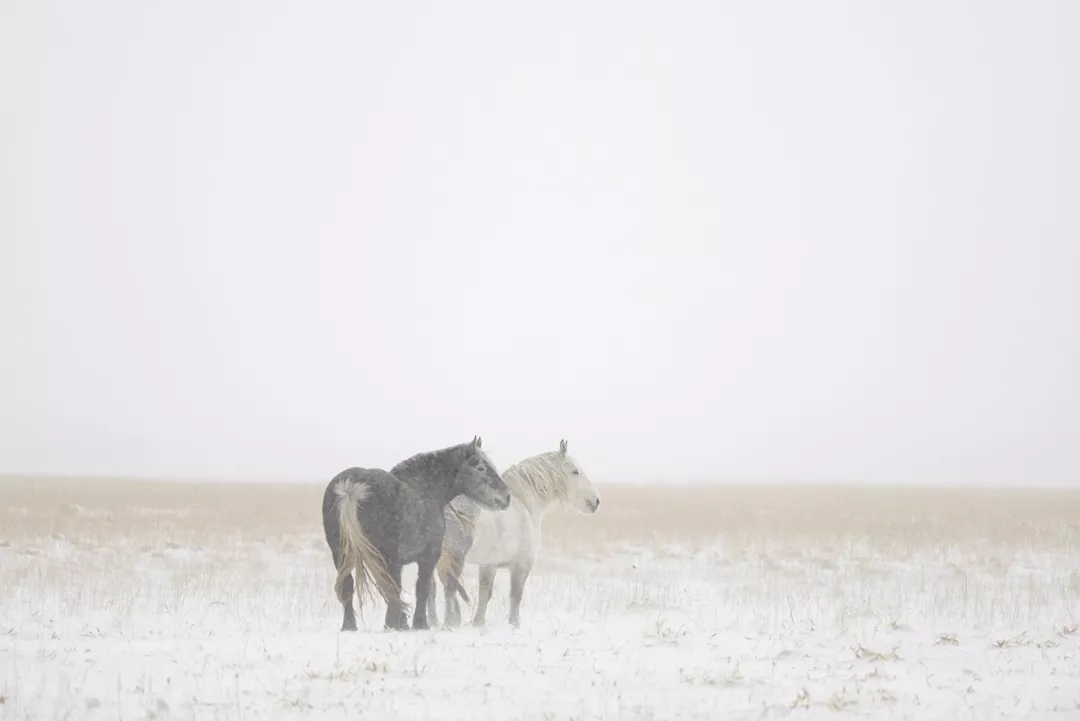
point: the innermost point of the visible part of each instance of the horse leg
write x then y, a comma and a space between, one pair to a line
487, 582
450, 575
395, 612
345, 595
453, 608
518, 574
345, 588
425, 575
432, 611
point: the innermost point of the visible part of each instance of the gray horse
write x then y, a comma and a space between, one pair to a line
376, 522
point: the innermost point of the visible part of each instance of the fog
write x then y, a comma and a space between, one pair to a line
744, 242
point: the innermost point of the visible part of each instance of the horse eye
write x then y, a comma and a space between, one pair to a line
576, 472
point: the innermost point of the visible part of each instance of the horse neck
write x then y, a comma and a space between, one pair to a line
537, 506
535, 503
426, 475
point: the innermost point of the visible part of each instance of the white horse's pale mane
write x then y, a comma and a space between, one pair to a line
544, 476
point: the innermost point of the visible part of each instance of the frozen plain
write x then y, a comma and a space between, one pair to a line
122, 600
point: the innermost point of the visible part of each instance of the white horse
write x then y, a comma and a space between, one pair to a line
509, 538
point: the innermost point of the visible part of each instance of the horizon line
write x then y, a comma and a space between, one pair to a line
731, 482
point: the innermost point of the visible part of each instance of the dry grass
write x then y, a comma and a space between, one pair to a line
888, 548
820, 599
909, 517
882, 517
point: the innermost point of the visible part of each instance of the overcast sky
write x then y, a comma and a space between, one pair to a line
782, 241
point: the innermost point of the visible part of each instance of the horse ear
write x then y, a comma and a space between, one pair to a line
476, 441
562, 447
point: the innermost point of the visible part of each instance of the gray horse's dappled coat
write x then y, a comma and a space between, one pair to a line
377, 521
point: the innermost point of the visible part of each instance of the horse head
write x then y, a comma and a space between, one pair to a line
580, 492
478, 479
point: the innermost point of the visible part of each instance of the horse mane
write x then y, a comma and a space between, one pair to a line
542, 476
414, 466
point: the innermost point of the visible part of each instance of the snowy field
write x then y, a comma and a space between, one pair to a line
155, 601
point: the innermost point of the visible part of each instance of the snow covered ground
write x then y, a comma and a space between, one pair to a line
217, 604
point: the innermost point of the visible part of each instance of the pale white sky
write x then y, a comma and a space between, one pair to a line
787, 241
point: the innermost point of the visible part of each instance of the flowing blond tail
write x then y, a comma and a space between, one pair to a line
449, 563
450, 566
358, 553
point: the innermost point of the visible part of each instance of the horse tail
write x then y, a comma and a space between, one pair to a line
357, 552
450, 567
